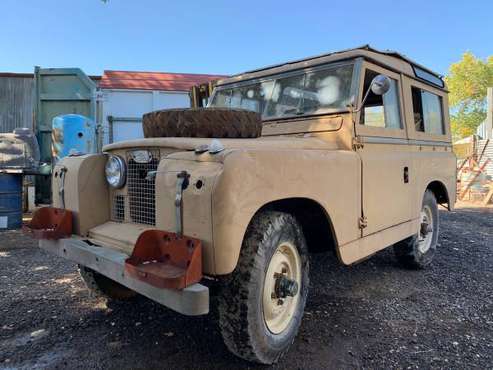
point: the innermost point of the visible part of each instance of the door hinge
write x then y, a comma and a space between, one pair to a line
357, 143
363, 222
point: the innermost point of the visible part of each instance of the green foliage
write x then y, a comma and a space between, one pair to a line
467, 81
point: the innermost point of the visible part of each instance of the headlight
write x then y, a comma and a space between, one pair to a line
116, 171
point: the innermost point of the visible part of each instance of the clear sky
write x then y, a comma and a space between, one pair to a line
225, 37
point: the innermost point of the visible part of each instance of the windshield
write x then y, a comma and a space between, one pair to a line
317, 92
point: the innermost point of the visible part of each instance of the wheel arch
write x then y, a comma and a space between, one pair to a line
314, 219
440, 192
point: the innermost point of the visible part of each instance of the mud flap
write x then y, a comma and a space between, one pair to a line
50, 223
166, 260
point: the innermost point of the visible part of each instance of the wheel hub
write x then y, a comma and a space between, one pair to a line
281, 287
425, 230
285, 287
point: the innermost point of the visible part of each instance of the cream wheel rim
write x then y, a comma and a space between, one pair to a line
279, 306
425, 234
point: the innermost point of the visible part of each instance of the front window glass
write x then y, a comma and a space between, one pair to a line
319, 92
328, 89
222, 98
286, 98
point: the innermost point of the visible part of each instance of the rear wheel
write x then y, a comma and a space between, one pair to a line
262, 303
418, 250
102, 286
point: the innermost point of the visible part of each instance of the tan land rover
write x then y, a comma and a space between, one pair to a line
347, 152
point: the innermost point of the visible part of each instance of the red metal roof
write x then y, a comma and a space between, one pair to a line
153, 80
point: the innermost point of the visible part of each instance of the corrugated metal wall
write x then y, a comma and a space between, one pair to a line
488, 153
16, 102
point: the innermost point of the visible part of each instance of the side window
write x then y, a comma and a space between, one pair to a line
381, 110
427, 111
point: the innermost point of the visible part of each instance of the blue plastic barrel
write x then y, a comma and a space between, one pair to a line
72, 133
10, 201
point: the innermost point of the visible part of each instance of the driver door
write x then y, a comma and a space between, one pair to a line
387, 171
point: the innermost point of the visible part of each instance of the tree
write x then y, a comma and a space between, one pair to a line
467, 81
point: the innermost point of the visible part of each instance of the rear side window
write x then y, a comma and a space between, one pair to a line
428, 113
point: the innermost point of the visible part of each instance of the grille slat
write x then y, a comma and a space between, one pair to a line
136, 203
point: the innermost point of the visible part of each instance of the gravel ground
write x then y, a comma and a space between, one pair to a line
372, 315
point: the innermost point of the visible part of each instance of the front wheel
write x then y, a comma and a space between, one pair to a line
417, 251
262, 303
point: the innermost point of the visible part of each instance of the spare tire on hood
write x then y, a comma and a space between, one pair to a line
202, 122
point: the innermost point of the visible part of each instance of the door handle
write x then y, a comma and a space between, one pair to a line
406, 175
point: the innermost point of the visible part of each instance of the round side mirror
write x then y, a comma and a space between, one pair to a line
380, 85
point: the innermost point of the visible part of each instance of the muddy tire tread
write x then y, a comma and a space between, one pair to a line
236, 309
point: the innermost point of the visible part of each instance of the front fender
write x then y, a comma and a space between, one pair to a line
251, 179
196, 202
86, 190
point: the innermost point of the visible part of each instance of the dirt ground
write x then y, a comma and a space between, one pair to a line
373, 315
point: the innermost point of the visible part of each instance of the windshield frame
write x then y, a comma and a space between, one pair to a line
353, 91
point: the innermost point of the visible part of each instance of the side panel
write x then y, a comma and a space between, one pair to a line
386, 196
363, 248
253, 179
432, 156
433, 163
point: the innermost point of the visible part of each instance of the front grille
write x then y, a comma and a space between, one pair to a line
135, 203
141, 191
118, 209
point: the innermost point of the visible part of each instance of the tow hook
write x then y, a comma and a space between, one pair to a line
285, 287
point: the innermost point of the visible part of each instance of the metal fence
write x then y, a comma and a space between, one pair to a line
16, 101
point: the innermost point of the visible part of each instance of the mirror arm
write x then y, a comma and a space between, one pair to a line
382, 81
362, 101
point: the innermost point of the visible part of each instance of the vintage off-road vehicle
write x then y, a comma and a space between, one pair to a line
348, 152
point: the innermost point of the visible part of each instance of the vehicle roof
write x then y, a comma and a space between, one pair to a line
387, 58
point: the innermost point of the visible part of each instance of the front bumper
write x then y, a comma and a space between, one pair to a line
192, 300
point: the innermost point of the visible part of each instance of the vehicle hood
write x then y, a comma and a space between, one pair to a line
189, 144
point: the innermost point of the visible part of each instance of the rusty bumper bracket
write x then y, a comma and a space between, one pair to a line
166, 260
50, 223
